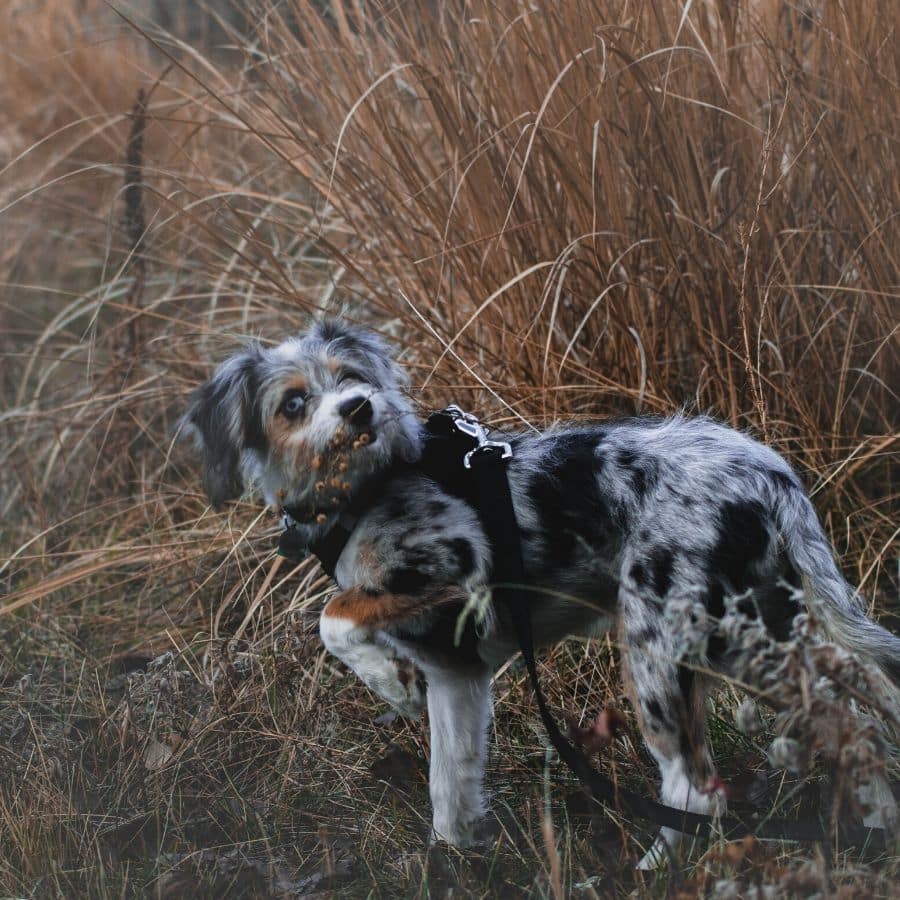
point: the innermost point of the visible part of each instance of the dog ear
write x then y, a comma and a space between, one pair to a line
221, 418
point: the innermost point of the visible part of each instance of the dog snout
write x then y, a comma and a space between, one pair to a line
356, 410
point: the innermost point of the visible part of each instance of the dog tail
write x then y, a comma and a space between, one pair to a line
832, 601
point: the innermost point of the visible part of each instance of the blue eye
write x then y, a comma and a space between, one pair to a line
292, 405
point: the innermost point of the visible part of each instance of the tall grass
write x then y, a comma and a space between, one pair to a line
578, 209
622, 207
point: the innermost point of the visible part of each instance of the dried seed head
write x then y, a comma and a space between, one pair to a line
336, 482
346, 486
321, 518
365, 437
726, 889
315, 463
320, 486
736, 851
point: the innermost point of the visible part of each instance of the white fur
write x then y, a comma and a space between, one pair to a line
676, 791
374, 663
459, 712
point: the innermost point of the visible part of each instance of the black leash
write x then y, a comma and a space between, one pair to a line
461, 458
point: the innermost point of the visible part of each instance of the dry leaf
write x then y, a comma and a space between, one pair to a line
157, 754
599, 733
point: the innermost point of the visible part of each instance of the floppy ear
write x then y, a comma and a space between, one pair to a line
221, 418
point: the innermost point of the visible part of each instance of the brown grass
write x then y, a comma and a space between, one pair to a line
581, 209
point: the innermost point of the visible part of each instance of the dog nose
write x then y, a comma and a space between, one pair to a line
357, 410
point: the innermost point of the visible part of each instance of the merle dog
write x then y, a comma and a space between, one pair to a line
620, 522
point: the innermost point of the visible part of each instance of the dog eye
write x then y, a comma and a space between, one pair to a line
292, 405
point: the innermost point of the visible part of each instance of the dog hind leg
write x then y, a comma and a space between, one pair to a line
669, 699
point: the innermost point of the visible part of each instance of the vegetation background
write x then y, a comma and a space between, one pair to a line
572, 209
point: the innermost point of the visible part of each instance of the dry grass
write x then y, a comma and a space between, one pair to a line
581, 209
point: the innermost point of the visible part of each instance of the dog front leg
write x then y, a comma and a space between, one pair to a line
459, 712
349, 628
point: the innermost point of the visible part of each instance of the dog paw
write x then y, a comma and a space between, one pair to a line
460, 835
467, 832
655, 858
663, 850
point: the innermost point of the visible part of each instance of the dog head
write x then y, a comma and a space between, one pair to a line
306, 422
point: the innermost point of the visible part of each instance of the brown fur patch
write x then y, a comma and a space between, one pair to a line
295, 383
379, 610
297, 454
278, 428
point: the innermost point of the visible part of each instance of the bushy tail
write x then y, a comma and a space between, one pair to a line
831, 600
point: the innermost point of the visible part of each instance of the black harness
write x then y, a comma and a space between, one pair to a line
459, 456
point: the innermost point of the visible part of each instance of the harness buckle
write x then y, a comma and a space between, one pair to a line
474, 430
487, 450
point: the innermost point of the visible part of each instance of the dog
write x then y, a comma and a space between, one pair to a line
619, 523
